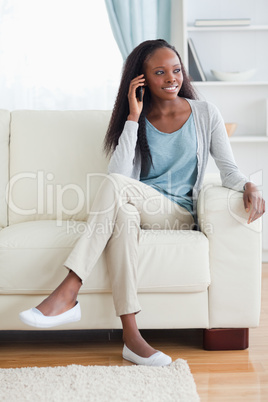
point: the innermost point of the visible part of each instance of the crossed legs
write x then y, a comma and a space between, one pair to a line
120, 200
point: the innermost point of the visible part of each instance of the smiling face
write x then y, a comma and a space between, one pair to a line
163, 74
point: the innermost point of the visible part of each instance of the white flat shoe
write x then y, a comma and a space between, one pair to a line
157, 359
35, 318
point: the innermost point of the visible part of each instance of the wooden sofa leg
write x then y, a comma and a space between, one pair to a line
225, 339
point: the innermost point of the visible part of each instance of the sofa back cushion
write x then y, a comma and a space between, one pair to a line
56, 163
4, 142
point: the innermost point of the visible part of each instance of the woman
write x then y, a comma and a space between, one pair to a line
159, 147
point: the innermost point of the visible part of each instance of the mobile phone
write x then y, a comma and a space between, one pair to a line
139, 93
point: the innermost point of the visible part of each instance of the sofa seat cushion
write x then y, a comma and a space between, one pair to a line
173, 261
32, 256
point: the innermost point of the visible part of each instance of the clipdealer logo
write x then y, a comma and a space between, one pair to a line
47, 197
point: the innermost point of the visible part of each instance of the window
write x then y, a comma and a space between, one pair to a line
57, 54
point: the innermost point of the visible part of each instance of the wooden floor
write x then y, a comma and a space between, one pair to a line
219, 376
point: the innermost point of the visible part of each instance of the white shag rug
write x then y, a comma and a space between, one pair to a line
173, 383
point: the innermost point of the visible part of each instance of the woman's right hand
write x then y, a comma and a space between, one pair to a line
135, 106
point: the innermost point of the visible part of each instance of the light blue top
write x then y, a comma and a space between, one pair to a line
174, 169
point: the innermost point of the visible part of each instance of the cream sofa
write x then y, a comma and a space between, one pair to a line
51, 164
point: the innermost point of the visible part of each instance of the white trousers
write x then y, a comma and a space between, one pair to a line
121, 208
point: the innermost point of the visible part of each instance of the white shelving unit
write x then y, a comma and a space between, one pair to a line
252, 139
226, 29
232, 48
230, 83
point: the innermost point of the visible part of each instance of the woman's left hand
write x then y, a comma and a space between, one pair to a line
253, 202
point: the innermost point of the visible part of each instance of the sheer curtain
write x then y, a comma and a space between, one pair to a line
134, 21
57, 54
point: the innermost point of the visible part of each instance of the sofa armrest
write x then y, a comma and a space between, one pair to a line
235, 257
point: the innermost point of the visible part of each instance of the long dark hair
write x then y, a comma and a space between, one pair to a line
132, 68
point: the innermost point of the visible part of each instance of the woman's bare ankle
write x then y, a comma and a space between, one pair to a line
138, 345
133, 339
63, 298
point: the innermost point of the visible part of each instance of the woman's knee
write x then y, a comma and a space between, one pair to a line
128, 211
127, 221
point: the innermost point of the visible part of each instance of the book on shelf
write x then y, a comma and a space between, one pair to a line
222, 22
195, 68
